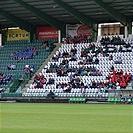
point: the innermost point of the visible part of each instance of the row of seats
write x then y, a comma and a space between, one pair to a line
91, 95
56, 90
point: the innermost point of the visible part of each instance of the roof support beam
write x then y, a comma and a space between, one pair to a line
114, 13
80, 16
94, 34
45, 17
21, 23
129, 27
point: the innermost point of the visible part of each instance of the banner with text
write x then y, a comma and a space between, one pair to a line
17, 34
46, 32
78, 29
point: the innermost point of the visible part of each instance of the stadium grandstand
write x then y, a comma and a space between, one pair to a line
66, 50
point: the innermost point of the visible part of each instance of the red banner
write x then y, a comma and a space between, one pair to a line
84, 30
46, 32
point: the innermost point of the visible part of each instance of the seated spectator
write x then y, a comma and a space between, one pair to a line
118, 60
13, 56
36, 77
129, 99
55, 58
51, 81
118, 86
11, 67
64, 62
73, 58
123, 84
33, 85
94, 85
67, 88
112, 68
65, 55
40, 84
4, 79
110, 84
1, 89
46, 93
44, 44
111, 57
27, 49
96, 61
26, 71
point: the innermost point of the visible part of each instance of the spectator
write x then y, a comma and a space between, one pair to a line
51, 94
33, 85
4, 79
96, 61
11, 67
129, 99
118, 60
1, 89
67, 88
111, 57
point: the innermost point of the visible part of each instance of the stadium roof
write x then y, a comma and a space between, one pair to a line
29, 13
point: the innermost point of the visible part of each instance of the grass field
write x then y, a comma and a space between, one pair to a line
65, 118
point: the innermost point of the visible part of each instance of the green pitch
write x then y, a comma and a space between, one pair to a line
65, 118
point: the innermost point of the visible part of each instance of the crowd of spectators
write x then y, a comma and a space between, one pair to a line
77, 39
115, 44
39, 81
63, 70
4, 79
116, 40
104, 50
27, 53
77, 82
88, 60
84, 60
118, 79
89, 56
